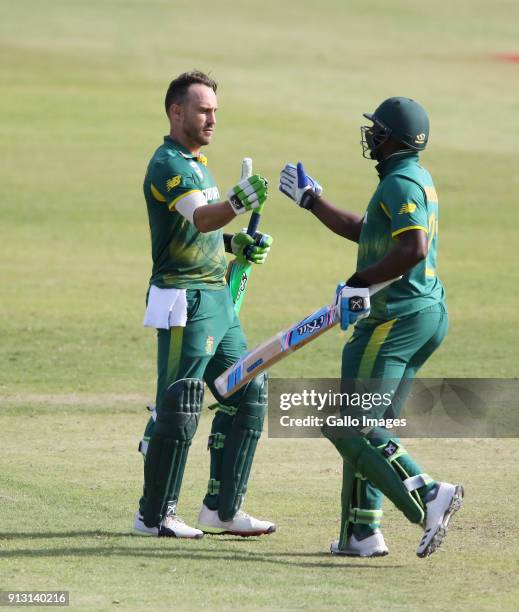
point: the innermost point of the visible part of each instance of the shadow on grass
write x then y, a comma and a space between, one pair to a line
93, 533
99, 533
200, 554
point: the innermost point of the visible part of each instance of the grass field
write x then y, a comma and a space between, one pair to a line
81, 112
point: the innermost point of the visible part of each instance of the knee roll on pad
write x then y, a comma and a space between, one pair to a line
179, 413
240, 446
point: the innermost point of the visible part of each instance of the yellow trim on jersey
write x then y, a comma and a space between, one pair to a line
171, 205
411, 227
385, 209
156, 193
433, 227
430, 272
431, 194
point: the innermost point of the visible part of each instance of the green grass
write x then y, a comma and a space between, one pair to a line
81, 112
69, 495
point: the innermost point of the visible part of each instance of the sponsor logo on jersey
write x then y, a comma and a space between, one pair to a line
408, 208
173, 182
211, 194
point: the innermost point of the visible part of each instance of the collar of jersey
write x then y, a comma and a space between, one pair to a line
183, 151
401, 158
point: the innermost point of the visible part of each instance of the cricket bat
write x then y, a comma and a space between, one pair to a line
238, 273
281, 345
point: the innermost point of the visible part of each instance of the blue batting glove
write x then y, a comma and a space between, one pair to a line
299, 186
353, 304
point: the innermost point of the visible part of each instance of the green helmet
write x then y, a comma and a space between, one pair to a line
401, 118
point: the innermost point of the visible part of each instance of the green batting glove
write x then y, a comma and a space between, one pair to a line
253, 250
249, 194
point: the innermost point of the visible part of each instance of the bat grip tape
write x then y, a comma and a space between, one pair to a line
251, 230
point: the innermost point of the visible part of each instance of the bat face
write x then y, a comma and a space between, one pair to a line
281, 345
310, 327
276, 348
237, 280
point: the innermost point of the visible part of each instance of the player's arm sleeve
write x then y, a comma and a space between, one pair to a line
176, 190
404, 202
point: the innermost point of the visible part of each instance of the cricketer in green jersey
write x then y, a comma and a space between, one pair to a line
199, 334
395, 332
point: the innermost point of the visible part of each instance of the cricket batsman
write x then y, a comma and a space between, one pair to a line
198, 332
395, 333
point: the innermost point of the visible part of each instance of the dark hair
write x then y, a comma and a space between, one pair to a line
178, 87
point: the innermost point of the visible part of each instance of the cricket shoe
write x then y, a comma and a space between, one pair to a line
372, 546
171, 526
242, 524
445, 500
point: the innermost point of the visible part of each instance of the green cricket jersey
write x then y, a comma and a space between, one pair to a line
405, 199
182, 256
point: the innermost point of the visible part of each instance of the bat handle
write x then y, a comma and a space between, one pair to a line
251, 230
253, 223
379, 286
246, 171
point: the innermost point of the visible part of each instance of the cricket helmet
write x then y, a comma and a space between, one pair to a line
400, 118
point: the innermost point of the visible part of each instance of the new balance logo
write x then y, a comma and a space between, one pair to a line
173, 182
408, 208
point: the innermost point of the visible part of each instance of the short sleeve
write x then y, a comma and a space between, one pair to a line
404, 202
169, 184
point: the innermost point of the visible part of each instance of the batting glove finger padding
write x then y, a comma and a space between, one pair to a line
249, 194
297, 185
258, 253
